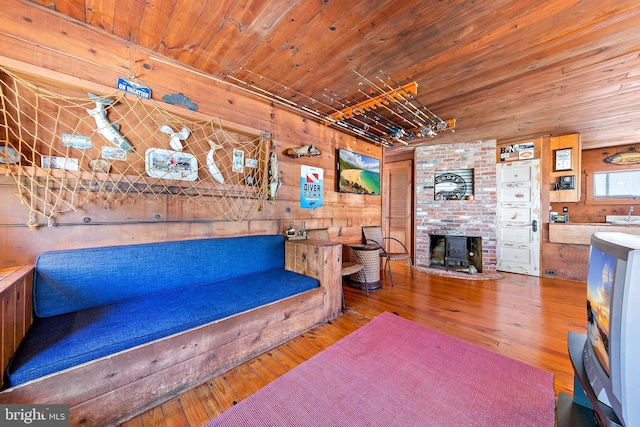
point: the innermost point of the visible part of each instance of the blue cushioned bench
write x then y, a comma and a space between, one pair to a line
97, 304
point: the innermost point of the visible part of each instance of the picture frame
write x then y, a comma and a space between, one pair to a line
168, 164
238, 161
563, 159
58, 162
8, 155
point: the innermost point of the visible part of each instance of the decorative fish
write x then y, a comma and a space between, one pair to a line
176, 137
180, 99
628, 157
108, 130
213, 168
307, 150
274, 178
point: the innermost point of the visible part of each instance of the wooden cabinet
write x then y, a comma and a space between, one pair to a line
321, 260
16, 309
580, 233
565, 159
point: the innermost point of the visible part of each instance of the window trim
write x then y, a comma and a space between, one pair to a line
590, 190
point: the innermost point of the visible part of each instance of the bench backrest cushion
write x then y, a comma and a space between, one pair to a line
72, 280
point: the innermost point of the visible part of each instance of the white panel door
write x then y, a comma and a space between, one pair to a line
519, 217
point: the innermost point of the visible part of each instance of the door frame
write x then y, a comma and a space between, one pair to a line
389, 168
534, 205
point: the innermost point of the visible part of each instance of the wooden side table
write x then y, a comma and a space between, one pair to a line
16, 294
369, 255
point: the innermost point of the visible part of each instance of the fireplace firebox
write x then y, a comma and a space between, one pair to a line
458, 253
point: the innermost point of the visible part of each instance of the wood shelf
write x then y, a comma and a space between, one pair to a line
573, 142
153, 185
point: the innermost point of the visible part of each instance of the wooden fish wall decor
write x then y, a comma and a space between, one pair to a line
628, 157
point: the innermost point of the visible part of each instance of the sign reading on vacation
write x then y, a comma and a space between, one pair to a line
311, 187
134, 88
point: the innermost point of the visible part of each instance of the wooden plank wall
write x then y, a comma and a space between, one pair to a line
41, 43
569, 261
588, 210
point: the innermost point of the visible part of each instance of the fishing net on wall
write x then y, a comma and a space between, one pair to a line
65, 148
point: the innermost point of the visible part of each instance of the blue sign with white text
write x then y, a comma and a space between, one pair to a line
311, 187
134, 88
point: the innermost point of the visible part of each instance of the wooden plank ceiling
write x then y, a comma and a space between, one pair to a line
504, 69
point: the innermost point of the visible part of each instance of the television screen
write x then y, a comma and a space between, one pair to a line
599, 285
358, 173
612, 348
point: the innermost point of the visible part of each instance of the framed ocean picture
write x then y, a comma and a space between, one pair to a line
358, 173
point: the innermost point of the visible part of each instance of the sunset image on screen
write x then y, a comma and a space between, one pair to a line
599, 285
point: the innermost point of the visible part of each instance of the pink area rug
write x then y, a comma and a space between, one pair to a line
394, 372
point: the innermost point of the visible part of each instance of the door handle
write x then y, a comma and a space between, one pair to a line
534, 225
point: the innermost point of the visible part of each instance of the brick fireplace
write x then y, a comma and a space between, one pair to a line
473, 215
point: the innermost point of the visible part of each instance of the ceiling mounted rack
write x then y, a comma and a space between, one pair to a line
380, 111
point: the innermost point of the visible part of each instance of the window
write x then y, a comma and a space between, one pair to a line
619, 185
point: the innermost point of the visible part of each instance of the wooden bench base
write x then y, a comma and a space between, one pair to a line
113, 389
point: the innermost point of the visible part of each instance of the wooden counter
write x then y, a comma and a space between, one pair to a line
580, 233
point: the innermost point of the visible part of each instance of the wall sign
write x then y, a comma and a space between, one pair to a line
134, 88
454, 184
521, 151
311, 187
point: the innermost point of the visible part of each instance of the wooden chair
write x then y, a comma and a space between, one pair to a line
373, 235
348, 267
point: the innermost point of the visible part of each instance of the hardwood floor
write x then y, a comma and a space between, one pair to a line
523, 317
